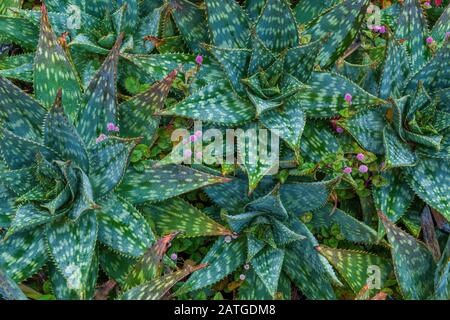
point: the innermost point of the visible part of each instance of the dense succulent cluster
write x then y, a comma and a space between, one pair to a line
356, 207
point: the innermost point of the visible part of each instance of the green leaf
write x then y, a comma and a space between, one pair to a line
24, 254
156, 289
430, 180
60, 135
395, 72
317, 142
109, 162
232, 195
307, 10
101, 99
276, 26
215, 103
122, 227
300, 61
267, 265
413, 263
358, 268
228, 24
161, 183
150, 265
398, 153
341, 24
15, 105
72, 245
19, 31
137, 114
6, 5
53, 70
179, 215
442, 279
441, 26
19, 181
9, 290
325, 95
18, 67
412, 26
84, 200
223, 258
270, 204
253, 288
116, 266
28, 217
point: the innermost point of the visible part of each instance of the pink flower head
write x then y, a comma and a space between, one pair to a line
101, 138
360, 156
437, 2
187, 153
246, 266
112, 127
174, 256
228, 239
376, 28
193, 138
382, 29
363, 168
348, 170
199, 60
447, 35
427, 5
198, 134
242, 277
430, 40
348, 97
199, 155
339, 130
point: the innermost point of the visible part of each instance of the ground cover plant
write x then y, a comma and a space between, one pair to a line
102, 198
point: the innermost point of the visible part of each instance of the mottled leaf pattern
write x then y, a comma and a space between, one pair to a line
9, 290
267, 266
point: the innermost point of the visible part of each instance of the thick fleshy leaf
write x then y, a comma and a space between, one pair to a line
60, 135
122, 227
430, 180
282, 234
53, 70
442, 279
136, 115
109, 162
18, 67
300, 61
191, 21
270, 204
116, 266
19, 31
9, 290
358, 268
149, 26
325, 95
161, 183
429, 233
367, 129
84, 200
253, 288
19, 113
341, 24
214, 103
412, 27
441, 26
413, 263
24, 254
267, 265
232, 195
317, 142
72, 245
228, 24
395, 72
307, 10
223, 258
261, 57
276, 26
157, 288
179, 215
28, 217
19, 182
100, 105
398, 153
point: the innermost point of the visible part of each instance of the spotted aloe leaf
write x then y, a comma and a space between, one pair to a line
179, 215
150, 264
268, 265
19, 67
9, 290
15, 104
223, 258
253, 288
442, 279
308, 10
412, 27
441, 26
215, 103
358, 267
430, 180
115, 265
317, 142
300, 61
325, 95
72, 248
413, 263
30, 254
270, 203
100, 104
122, 227
161, 183
341, 24
19, 31
157, 288
398, 153
136, 115
53, 70
228, 24
28, 217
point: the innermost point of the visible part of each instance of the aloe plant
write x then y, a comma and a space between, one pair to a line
66, 185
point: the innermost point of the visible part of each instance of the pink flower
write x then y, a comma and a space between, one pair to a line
193, 138
339, 130
427, 5
348, 170
174, 256
382, 29
199, 60
363, 168
101, 138
376, 28
242, 277
429, 40
360, 156
199, 155
246, 266
348, 97
112, 127
187, 153
228, 239
437, 2
198, 134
